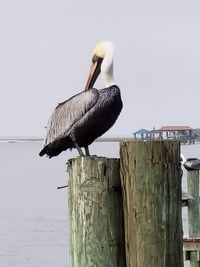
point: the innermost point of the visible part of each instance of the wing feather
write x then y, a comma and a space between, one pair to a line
69, 112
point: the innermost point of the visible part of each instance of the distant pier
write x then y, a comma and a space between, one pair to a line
184, 134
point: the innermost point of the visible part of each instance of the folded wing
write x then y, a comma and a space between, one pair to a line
67, 113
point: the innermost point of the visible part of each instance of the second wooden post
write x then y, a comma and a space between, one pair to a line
151, 185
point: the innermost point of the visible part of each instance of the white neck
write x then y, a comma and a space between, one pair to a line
107, 76
107, 66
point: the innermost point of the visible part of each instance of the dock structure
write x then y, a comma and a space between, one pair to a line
127, 212
184, 134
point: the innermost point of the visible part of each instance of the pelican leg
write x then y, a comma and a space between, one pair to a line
79, 150
77, 146
87, 152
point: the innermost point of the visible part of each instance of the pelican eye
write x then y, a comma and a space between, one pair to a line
96, 58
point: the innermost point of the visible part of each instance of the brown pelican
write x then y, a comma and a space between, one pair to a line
78, 121
190, 164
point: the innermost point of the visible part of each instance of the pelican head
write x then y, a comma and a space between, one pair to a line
102, 62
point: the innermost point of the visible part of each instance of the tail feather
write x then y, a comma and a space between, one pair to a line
55, 148
43, 151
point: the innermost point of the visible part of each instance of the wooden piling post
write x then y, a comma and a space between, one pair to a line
96, 214
193, 212
151, 186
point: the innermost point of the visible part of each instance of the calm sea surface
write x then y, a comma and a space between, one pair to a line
33, 213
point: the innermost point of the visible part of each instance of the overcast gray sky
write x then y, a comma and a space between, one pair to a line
45, 53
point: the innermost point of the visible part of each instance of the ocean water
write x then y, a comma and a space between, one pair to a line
33, 212
33, 218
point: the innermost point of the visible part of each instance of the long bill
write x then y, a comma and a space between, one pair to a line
94, 72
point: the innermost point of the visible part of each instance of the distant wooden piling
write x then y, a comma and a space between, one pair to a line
151, 185
96, 214
193, 213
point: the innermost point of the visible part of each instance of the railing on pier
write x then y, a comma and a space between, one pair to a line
183, 139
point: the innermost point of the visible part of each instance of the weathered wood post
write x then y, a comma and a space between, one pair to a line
96, 214
151, 185
193, 212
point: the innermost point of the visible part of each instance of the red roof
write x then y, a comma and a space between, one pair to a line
175, 128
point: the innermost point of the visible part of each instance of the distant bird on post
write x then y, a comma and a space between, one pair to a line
78, 121
190, 164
